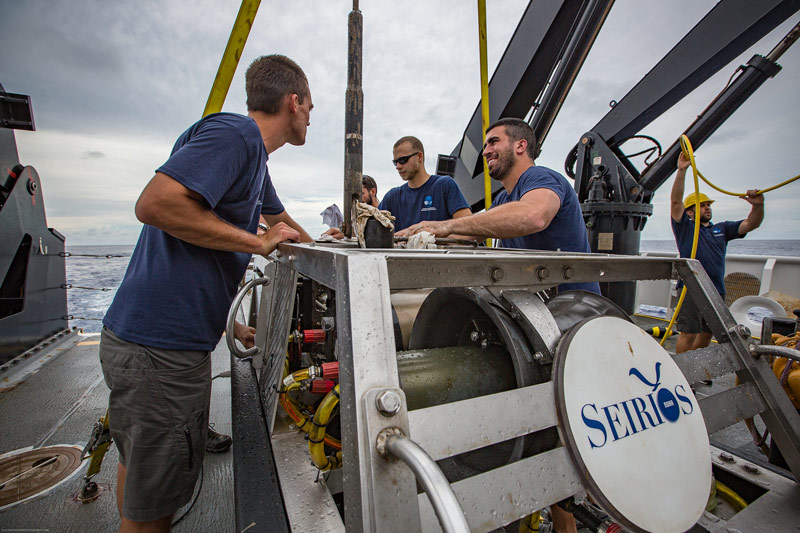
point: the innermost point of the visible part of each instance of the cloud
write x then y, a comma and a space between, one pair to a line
125, 80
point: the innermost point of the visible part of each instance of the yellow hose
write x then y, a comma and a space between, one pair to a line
530, 523
688, 152
686, 148
727, 494
293, 409
316, 446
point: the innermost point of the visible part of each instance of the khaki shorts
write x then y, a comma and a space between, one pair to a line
158, 407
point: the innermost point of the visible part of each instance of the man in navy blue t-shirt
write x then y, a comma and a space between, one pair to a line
201, 213
712, 242
537, 208
422, 197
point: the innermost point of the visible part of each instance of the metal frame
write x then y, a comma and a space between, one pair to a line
381, 494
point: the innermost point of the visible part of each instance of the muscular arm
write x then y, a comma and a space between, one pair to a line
289, 221
460, 214
676, 208
756, 215
531, 214
171, 207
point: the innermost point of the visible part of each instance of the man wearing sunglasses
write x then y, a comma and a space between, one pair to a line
422, 197
537, 208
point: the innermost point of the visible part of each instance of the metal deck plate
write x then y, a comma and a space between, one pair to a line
25, 474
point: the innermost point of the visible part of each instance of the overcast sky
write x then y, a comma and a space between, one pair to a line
114, 83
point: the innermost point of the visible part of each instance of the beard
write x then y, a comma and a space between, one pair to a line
503, 163
705, 218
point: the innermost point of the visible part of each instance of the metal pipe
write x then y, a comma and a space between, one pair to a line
353, 122
231, 322
779, 351
440, 493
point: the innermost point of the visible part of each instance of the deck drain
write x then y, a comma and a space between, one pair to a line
28, 473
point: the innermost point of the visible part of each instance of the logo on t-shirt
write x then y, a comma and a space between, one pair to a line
428, 204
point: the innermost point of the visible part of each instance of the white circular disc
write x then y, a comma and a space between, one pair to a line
632, 426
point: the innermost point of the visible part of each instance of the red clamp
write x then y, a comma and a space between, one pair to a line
330, 370
314, 335
322, 386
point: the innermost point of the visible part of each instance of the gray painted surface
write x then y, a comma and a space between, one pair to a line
37, 407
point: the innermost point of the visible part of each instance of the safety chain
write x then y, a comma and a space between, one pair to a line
70, 286
73, 317
70, 254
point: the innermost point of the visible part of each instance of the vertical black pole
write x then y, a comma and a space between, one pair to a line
353, 122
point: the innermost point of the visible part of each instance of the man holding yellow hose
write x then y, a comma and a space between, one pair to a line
711, 246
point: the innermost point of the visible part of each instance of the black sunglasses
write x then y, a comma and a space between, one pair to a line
403, 159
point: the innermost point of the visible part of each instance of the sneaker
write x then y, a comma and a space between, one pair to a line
217, 442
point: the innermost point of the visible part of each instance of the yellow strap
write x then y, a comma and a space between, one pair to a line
487, 182
230, 59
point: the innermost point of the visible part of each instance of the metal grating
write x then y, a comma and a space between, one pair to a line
738, 284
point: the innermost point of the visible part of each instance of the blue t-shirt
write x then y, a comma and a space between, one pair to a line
176, 295
712, 242
566, 232
437, 199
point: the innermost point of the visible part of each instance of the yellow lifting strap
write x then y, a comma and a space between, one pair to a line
230, 59
487, 182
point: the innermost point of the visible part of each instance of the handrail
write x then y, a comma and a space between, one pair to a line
440, 493
237, 301
779, 351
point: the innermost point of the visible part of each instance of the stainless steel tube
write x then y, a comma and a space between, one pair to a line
237, 301
780, 351
440, 493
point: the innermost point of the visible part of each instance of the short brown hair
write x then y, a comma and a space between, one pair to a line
517, 129
415, 143
368, 183
269, 79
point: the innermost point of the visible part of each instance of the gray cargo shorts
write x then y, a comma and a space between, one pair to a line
158, 407
690, 320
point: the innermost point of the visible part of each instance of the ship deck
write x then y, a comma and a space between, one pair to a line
56, 395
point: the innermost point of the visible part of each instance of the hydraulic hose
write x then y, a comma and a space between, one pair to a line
727, 494
295, 412
686, 147
688, 152
316, 436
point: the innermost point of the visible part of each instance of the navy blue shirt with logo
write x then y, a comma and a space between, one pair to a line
176, 295
437, 199
712, 243
566, 232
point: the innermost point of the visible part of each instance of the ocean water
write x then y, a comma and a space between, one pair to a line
737, 247
95, 272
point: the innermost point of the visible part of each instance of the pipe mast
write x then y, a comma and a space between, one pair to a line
353, 122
